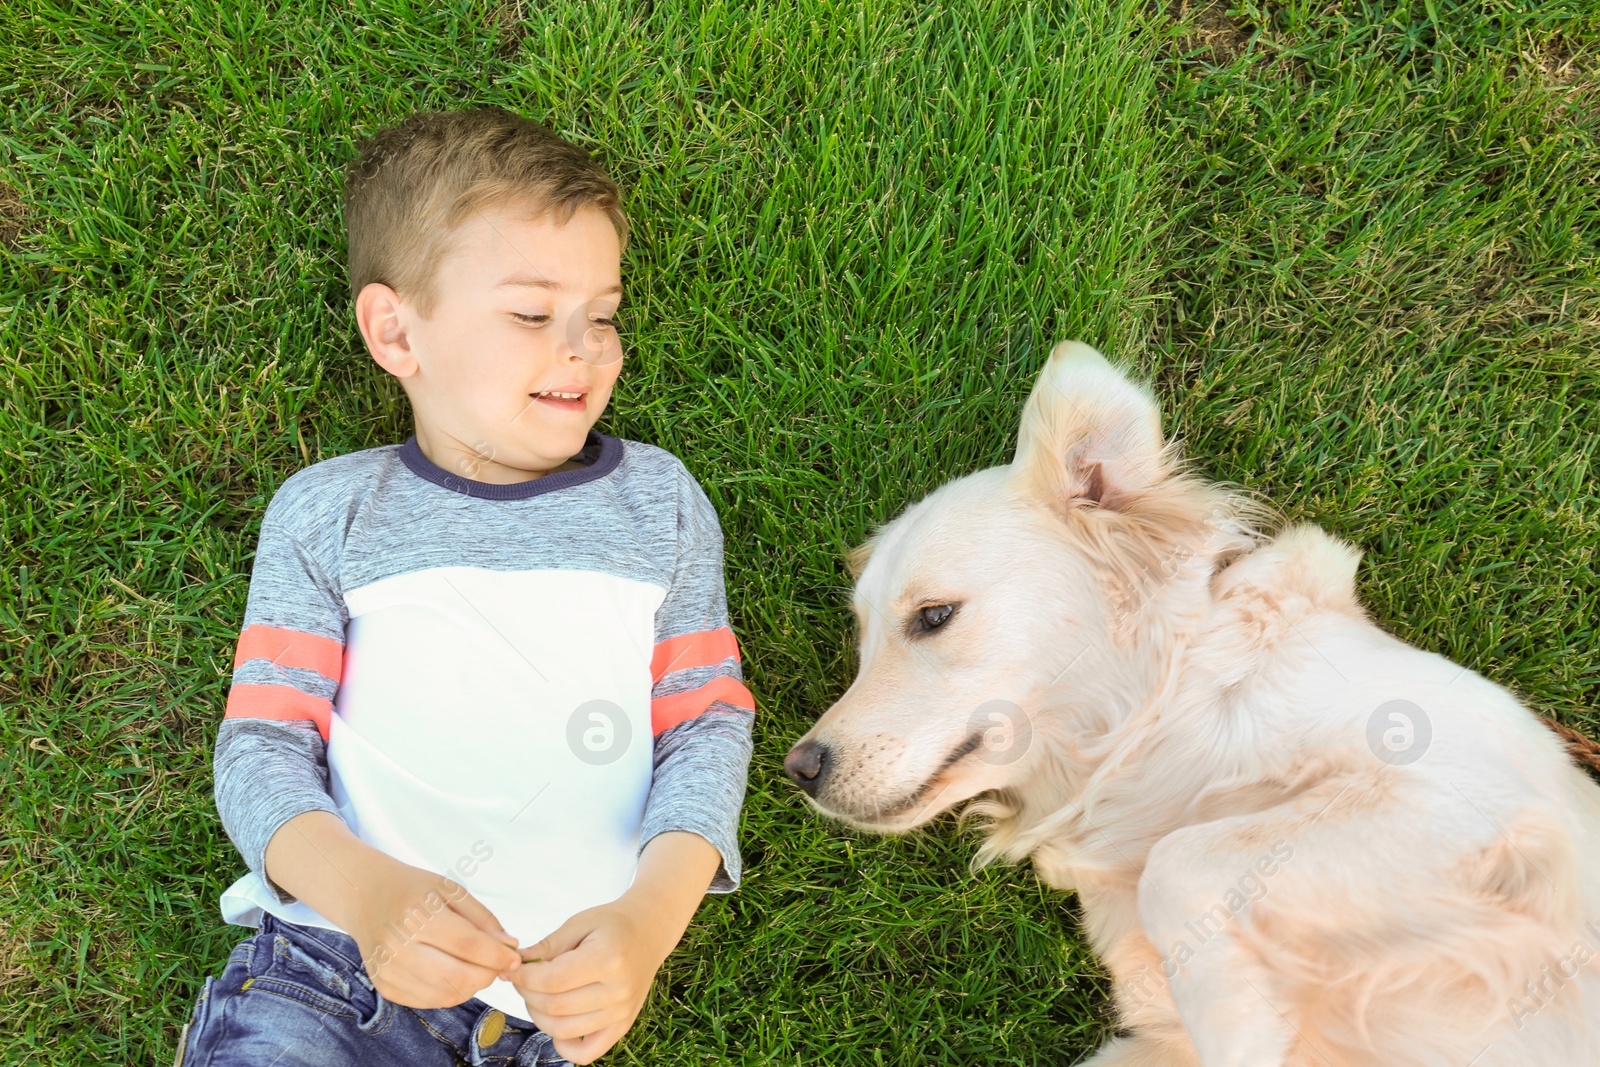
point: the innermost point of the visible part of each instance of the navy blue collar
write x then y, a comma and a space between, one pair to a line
601, 452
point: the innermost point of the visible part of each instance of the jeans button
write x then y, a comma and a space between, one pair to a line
491, 1027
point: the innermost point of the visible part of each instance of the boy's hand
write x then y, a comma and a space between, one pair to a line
425, 941
595, 971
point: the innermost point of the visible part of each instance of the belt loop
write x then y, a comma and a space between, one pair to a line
539, 1051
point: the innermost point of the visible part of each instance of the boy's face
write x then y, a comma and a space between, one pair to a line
523, 309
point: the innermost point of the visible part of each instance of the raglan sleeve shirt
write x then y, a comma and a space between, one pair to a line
270, 762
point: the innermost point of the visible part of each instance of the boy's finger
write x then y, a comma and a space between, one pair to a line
593, 997
590, 1047
455, 935
429, 978
573, 1027
566, 938
480, 916
569, 971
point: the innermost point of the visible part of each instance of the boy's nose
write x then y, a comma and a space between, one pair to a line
806, 764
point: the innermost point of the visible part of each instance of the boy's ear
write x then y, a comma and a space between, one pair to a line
1089, 435
381, 317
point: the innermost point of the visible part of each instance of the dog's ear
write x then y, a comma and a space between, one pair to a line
856, 558
1089, 435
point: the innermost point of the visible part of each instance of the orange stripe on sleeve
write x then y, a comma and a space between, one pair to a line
699, 649
279, 702
291, 648
667, 712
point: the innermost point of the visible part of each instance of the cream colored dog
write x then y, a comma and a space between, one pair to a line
1296, 839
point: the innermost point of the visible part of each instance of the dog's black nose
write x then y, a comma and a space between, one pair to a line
805, 765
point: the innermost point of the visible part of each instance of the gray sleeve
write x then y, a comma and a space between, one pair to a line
267, 772
700, 770
702, 711
270, 762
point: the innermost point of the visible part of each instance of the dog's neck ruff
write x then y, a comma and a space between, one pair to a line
1095, 774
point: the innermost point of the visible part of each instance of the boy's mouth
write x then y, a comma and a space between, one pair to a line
562, 399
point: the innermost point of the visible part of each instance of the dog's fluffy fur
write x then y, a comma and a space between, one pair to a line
1296, 840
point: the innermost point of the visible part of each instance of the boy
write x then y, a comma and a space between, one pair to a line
485, 695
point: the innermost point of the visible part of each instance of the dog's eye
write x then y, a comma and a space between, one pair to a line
935, 616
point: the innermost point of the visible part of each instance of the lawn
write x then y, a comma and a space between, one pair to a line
1355, 245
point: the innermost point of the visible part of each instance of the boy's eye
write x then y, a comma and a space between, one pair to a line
539, 320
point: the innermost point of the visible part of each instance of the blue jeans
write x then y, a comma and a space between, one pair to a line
298, 996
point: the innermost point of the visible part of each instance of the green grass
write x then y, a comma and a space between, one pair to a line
1357, 246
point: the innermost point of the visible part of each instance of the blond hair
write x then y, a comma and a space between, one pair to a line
416, 181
